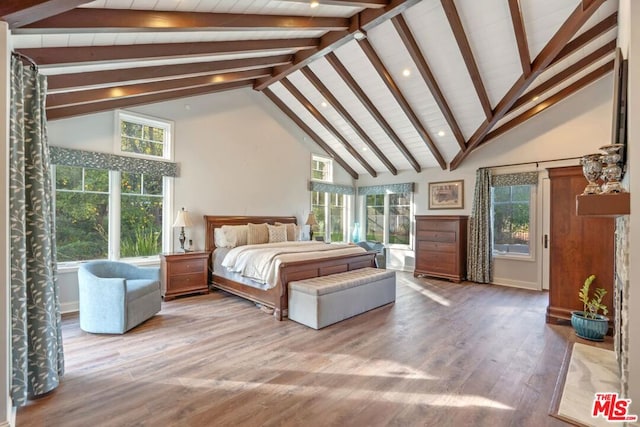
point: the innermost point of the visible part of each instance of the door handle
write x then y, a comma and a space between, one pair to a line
546, 241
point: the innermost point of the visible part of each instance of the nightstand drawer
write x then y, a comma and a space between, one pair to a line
184, 282
188, 266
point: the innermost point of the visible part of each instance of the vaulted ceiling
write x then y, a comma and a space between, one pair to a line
380, 85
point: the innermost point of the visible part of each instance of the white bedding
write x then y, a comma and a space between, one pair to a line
262, 262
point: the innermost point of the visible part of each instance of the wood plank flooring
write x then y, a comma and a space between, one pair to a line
444, 354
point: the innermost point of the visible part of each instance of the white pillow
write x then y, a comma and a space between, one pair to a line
277, 233
220, 238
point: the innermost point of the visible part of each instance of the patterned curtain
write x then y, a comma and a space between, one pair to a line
479, 251
36, 339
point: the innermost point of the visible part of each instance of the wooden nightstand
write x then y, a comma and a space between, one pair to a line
183, 274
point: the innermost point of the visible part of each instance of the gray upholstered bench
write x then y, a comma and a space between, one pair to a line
322, 301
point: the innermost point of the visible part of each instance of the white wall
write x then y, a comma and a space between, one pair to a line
5, 308
576, 126
629, 41
237, 154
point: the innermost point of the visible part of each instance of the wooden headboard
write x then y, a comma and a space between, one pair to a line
211, 222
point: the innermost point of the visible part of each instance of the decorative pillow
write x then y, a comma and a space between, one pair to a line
235, 234
257, 233
293, 233
219, 238
277, 233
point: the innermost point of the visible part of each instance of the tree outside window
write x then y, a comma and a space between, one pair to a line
140, 215
82, 213
399, 218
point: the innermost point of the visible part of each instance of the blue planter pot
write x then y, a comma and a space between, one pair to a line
589, 329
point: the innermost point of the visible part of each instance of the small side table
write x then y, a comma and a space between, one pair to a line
184, 274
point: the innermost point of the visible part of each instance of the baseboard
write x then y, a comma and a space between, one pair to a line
69, 307
515, 283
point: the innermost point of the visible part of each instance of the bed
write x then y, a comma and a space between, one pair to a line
275, 297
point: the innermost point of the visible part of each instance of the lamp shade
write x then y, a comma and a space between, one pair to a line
311, 219
183, 220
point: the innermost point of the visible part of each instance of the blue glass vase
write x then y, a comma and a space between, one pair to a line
355, 235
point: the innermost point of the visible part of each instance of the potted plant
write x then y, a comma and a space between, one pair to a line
588, 323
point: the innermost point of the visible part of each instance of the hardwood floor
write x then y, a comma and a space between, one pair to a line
444, 354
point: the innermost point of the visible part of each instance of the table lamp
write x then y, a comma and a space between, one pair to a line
182, 221
311, 222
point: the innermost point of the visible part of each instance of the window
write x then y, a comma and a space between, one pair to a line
374, 227
140, 215
143, 136
388, 218
511, 219
82, 213
331, 211
321, 169
111, 214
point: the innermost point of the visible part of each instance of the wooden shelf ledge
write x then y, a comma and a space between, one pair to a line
611, 204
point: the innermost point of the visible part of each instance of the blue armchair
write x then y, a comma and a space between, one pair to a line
116, 296
371, 246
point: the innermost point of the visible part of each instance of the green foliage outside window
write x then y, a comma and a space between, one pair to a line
140, 215
141, 139
511, 219
82, 213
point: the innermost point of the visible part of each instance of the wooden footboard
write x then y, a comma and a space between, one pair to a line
278, 297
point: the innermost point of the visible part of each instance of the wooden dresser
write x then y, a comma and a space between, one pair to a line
183, 274
441, 246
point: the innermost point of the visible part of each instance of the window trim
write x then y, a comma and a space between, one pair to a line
129, 116
531, 256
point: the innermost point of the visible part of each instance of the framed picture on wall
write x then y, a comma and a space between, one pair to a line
446, 195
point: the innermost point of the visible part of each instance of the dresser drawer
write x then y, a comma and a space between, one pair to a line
437, 225
184, 282
431, 246
437, 261
437, 236
188, 266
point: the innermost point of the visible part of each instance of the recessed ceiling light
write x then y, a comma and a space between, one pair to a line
364, 149
314, 4
441, 133
406, 72
323, 104
535, 98
359, 35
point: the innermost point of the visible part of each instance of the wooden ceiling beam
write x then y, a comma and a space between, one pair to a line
375, 113
564, 75
90, 20
548, 53
18, 13
561, 95
77, 97
375, 60
82, 109
333, 101
358, 24
137, 52
109, 77
306, 129
412, 47
467, 54
324, 122
587, 37
521, 36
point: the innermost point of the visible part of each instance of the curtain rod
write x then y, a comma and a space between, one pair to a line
26, 58
534, 162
